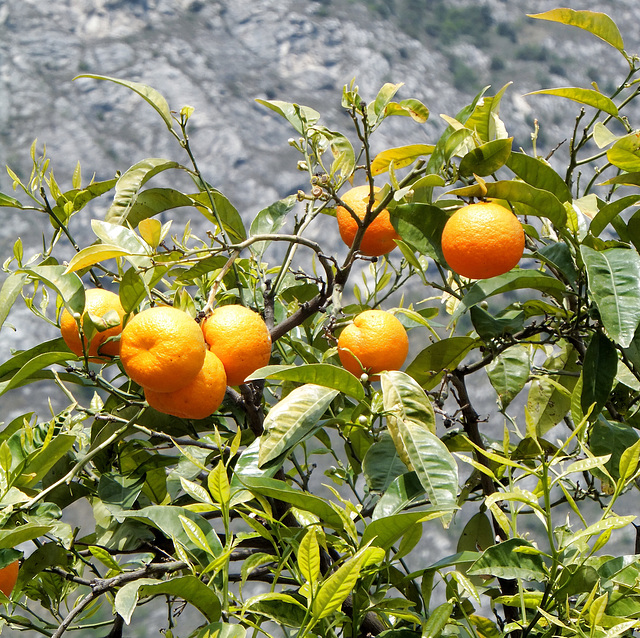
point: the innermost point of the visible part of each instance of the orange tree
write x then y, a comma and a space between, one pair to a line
298, 507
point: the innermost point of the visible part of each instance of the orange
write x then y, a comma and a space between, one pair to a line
8, 577
162, 349
98, 302
201, 398
239, 337
378, 238
374, 342
482, 240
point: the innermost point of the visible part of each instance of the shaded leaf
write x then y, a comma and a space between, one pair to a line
442, 355
599, 372
381, 464
614, 283
401, 493
270, 220
189, 588
10, 291
509, 373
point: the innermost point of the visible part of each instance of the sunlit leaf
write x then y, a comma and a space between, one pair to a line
625, 153
599, 24
401, 156
486, 159
293, 420
539, 174
147, 93
589, 97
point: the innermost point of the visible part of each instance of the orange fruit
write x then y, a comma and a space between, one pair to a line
482, 240
8, 577
201, 398
98, 302
374, 342
239, 337
162, 349
379, 236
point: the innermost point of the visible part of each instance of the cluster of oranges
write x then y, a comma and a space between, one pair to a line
478, 241
183, 367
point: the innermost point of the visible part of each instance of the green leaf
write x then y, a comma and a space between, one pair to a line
411, 422
401, 493
10, 291
309, 557
609, 212
27, 372
509, 373
590, 97
247, 466
166, 518
188, 588
512, 280
446, 354
334, 590
129, 185
228, 214
270, 220
599, 372
411, 107
386, 531
68, 285
10, 538
625, 153
40, 462
321, 374
486, 159
300, 117
273, 488
484, 118
381, 464
376, 110
150, 202
539, 174
614, 284
10, 202
504, 561
438, 620
280, 608
599, 24
420, 226
611, 437
534, 201
400, 156
293, 419
489, 327
94, 254
147, 93
549, 397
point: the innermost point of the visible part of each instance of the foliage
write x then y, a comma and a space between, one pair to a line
195, 511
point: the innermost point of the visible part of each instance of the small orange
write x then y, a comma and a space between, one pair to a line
98, 302
374, 342
8, 577
482, 240
239, 337
379, 237
201, 398
162, 349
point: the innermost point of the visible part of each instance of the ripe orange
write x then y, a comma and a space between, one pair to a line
239, 337
98, 302
374, 342
482, 240
8, 577
379, 236
162, 349
201, 398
